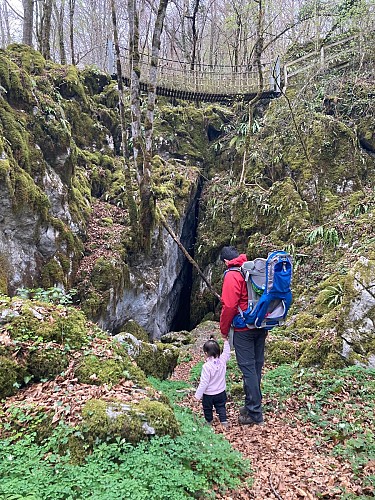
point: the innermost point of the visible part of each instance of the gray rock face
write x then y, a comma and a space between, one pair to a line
153, 297
359, 323
26, 241
156, 281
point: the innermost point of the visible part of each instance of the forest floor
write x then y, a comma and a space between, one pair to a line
288, 459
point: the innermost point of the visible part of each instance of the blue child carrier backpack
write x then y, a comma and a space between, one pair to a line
268, 288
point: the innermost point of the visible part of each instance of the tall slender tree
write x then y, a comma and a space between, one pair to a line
28, 19
128, 180
147, 201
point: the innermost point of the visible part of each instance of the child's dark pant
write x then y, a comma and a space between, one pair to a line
217, 401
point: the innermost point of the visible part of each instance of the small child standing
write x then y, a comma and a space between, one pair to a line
212, 385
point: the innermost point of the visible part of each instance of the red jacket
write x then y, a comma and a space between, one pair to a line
234, 294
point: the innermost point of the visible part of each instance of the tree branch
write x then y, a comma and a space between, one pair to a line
185, 252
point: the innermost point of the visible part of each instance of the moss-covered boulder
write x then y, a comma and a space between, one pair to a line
11, 376
110, 420
158, 359
36, 321
282, 352
135, 329
178, 339
46, 363
91, 369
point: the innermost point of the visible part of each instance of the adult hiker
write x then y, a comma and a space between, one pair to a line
248, 343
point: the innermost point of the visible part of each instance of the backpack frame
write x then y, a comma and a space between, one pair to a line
269, 291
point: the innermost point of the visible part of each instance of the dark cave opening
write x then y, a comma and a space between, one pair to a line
181, 320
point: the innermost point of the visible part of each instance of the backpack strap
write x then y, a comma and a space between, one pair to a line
240, 270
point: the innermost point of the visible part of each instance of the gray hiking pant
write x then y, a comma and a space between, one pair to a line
249, 349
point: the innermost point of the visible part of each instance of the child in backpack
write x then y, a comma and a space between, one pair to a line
212, 386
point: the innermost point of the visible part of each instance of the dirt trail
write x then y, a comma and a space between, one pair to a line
287, 463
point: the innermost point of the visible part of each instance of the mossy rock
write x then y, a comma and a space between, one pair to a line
107, 421
178, 339
47, 323
27, 58
11, 375
135, 329
282, 352
159, 416
105, 274
158, 360
4, 270
16, 81
67, 80
46, 363
320, 350
97, 371
94, 80
237, 391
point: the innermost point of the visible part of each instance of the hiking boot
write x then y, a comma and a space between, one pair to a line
243, 411
247, 420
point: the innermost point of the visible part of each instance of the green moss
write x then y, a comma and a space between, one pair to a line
105, 274
94, 80
68, 82
13, 125
94, 370
324, 348
158, 360
46, 363
172, 185
159, 416
334, 361
282, 352
9, 377
135, 329
106, 421
46, 323
15, 80
27, 58
52, 274
4, 269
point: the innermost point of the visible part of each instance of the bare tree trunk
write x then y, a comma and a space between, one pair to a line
147, 201
183, 31
27, 28
72, 6
59, 13
135, 73
258, 50
194, 35
45, 29
237, 40
135, 97
128, 181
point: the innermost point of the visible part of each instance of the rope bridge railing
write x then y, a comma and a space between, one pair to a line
205, 79
223, 83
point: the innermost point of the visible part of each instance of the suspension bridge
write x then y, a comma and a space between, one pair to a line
224, 84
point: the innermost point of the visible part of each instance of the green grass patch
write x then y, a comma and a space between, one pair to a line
189, 466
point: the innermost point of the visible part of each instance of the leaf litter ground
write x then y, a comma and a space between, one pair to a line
290, 460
